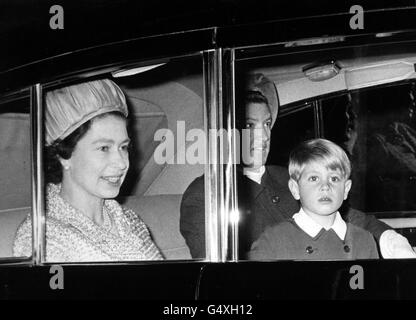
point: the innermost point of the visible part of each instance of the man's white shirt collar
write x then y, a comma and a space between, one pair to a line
312, 228
254, 175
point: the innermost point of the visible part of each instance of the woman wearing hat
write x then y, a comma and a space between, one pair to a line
87, 160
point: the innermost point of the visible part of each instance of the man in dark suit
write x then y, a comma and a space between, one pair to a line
264, 197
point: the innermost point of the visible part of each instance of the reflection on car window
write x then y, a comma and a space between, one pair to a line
15, 193
372, 124
342, 126
377, 126
290, 130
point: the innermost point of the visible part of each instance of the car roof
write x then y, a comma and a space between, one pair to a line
96, 32
25, 24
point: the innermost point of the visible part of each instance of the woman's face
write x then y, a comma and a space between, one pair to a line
100, 160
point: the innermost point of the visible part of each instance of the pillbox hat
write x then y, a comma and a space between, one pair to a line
69, 107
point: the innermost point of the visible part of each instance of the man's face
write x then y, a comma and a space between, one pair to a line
258, 125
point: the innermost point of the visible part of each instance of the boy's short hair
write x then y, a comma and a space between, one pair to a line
318, 150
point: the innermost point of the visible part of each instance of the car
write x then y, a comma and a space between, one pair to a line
179, 67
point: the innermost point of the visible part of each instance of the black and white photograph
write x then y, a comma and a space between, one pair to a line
207, 156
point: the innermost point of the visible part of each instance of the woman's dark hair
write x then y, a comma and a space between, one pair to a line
63, 149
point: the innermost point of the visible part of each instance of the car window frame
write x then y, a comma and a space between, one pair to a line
219, 67
211, 75
252, 52
23, 93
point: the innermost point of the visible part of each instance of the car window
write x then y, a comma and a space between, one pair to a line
167, 131
166, 154
289, 130
364, 103
256, 201
15, 167
377, 128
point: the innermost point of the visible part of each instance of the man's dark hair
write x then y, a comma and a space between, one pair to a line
244, 101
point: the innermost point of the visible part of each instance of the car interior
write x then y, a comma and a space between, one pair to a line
15, 166
157, 101
172, 92
362, 100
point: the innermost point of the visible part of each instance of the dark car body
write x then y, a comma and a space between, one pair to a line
103, 37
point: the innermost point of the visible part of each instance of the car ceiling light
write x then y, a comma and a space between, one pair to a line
133, 71
313, 41
321, 71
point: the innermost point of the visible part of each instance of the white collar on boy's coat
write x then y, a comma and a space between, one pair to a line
312, 228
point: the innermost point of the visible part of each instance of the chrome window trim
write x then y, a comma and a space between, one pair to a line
213, 172
221, 230
38, 207
231, 166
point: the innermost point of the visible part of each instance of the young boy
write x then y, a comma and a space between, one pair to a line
319, 177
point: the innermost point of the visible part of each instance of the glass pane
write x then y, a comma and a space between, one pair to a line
383, 148
168, 156
114, 187
341, 126
363, 102
259, 201
289, 131
15, 167
262, 182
